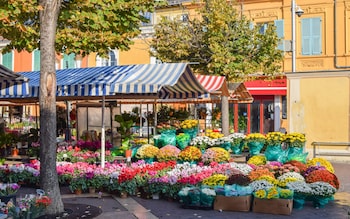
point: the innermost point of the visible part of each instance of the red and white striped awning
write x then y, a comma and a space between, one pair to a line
214, 84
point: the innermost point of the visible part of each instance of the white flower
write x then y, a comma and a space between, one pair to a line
322, 189
244, 168
285, 176
260, 185
299, 187
208, 191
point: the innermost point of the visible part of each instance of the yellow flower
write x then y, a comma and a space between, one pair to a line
260, 193
318, 161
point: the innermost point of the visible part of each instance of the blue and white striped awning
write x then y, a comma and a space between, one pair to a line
12, 85
174, 80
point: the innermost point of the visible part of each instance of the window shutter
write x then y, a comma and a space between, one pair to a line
7, 60
68, 61
306, 36
36, 62
279, 24
316, 36
311, 36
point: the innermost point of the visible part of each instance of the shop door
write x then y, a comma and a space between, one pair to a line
261, 115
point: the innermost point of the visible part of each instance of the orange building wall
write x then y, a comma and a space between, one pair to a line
138, 53
22, 61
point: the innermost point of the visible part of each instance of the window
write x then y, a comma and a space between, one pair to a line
284, 107
68, 61
311, 36
147, 15
36, 60
7, 60
111, 61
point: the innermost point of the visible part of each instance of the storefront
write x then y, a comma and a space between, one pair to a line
268, 112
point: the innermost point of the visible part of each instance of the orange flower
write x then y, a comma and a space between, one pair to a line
259, 172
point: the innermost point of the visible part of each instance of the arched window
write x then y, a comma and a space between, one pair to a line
110, 61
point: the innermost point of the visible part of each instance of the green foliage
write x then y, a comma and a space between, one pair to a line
83, 26
221, 41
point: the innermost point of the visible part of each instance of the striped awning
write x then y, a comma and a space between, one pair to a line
239, 93
216, 85
12, 85
173, 80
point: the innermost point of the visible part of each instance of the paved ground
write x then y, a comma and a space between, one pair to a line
138, 208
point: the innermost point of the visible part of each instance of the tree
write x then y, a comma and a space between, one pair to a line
66, 26
222, 42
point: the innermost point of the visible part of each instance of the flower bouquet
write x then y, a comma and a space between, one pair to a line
31, 206
182, 140
274, 150
322, 175
301, 190
190, 154
237, 142
167, 153
167, 134
147, 152
321, 193
213, 134
257, 160
215, 154
296, 144
239, 179
190, 127
255, 142
8, 191
215, 180
200, 142
319, 161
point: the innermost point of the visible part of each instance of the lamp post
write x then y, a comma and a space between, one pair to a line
296, 10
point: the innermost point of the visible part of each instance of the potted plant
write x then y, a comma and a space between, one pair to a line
78, 184
125, 131
147, 152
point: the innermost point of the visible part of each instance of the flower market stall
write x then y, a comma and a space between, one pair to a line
201, 175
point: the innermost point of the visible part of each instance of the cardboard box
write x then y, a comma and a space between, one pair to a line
273, 206
233, 203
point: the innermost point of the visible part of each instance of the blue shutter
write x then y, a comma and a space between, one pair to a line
68, 61
316, 36
112, 59
279, 24
36, 64
7, 60
311, 36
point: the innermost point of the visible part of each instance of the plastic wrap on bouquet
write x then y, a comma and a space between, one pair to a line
296, 153
192, 132
321, 201
237, 148
226, 146
183, 140
298, 201
255, 147
149, 160
275, 153
206, 200
168, 137
195, 196
157, 141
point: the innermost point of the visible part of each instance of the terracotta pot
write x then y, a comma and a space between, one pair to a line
92, 190
78, 191
128, 153
15, 152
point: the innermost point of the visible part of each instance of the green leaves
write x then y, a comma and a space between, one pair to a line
83, 26
221, 40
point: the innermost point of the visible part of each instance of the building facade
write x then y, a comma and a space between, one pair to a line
313, 98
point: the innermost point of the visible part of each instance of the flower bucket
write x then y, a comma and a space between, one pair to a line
255, 147
275, 153
237, 148
192, 132
168, 137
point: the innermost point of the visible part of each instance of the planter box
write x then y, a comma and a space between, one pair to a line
232, 203
273, 206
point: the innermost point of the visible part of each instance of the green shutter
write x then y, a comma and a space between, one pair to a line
68, 61
7, 60
280, 33
36, 64
311, 36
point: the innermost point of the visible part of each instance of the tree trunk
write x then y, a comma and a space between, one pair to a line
47, 102
225, 118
